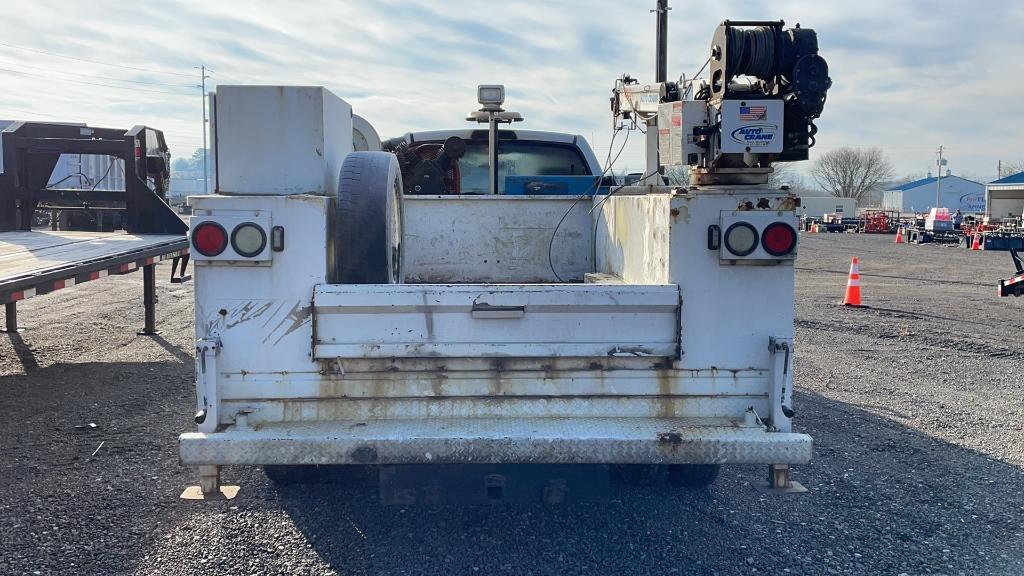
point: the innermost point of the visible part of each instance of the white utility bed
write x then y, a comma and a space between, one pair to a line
488, 320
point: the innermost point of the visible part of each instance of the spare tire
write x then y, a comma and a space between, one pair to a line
368, 220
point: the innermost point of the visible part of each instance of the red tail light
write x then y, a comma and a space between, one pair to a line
778, 239
209, 239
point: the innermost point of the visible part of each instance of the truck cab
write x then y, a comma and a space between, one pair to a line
520, 153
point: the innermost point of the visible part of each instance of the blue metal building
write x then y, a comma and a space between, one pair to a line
955, 193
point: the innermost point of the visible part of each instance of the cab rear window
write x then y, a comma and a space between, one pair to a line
518, 158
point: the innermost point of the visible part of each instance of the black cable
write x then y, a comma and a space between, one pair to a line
104, 177
609, 162
706, 62
605, 199
551, 241
50, 186
612, 192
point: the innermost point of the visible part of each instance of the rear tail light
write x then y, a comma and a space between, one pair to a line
741, 239
248, 239
209, 239
778, 239
277, 238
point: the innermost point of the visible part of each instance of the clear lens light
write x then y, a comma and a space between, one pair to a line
741, 240
491, 94
248, 239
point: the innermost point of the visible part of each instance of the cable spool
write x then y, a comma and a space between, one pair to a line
752, 51
762, 60
762, 50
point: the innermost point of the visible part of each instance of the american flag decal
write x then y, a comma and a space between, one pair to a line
750, 113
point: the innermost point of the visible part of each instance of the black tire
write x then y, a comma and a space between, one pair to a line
693, 475
368, 220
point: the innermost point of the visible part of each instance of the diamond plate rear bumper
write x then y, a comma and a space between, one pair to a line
498, 440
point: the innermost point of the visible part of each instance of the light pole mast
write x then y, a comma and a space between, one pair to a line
938, 181
653, 169
206, 164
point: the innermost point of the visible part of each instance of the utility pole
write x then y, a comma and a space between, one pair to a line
938, 181
206, 173
661, 39
653, 168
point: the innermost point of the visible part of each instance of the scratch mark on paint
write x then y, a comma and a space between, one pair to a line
298, 316
246, 313
273, 314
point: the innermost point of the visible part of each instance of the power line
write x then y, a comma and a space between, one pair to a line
23, 111
226, 76
95, 75
31, 75
48, 53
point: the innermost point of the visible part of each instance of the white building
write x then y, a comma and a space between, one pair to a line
1005, 197
955, 193
818, 206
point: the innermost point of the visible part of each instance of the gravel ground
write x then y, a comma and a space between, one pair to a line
915, 405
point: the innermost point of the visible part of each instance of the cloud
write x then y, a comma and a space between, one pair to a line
908, 75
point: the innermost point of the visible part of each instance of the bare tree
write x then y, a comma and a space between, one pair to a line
677, 175
1011, 168
785, 173
852, 172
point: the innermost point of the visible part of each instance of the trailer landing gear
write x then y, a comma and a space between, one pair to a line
11, 319
209, 487
779, 482
149, 300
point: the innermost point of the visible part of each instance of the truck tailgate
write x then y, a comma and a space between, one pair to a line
511, 320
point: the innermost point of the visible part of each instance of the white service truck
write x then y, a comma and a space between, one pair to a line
394, 308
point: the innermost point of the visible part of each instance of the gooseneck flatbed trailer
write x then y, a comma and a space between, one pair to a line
38, 262
35, 261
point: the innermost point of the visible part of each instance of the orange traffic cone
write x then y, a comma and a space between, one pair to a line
899, 235
976, 244
852, 297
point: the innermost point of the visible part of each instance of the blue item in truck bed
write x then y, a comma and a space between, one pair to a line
552, 186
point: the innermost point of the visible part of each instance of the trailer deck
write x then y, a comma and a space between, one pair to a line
41, 261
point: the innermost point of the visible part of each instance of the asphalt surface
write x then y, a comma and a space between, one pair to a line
916, 405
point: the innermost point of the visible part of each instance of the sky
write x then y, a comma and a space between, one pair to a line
908, 75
